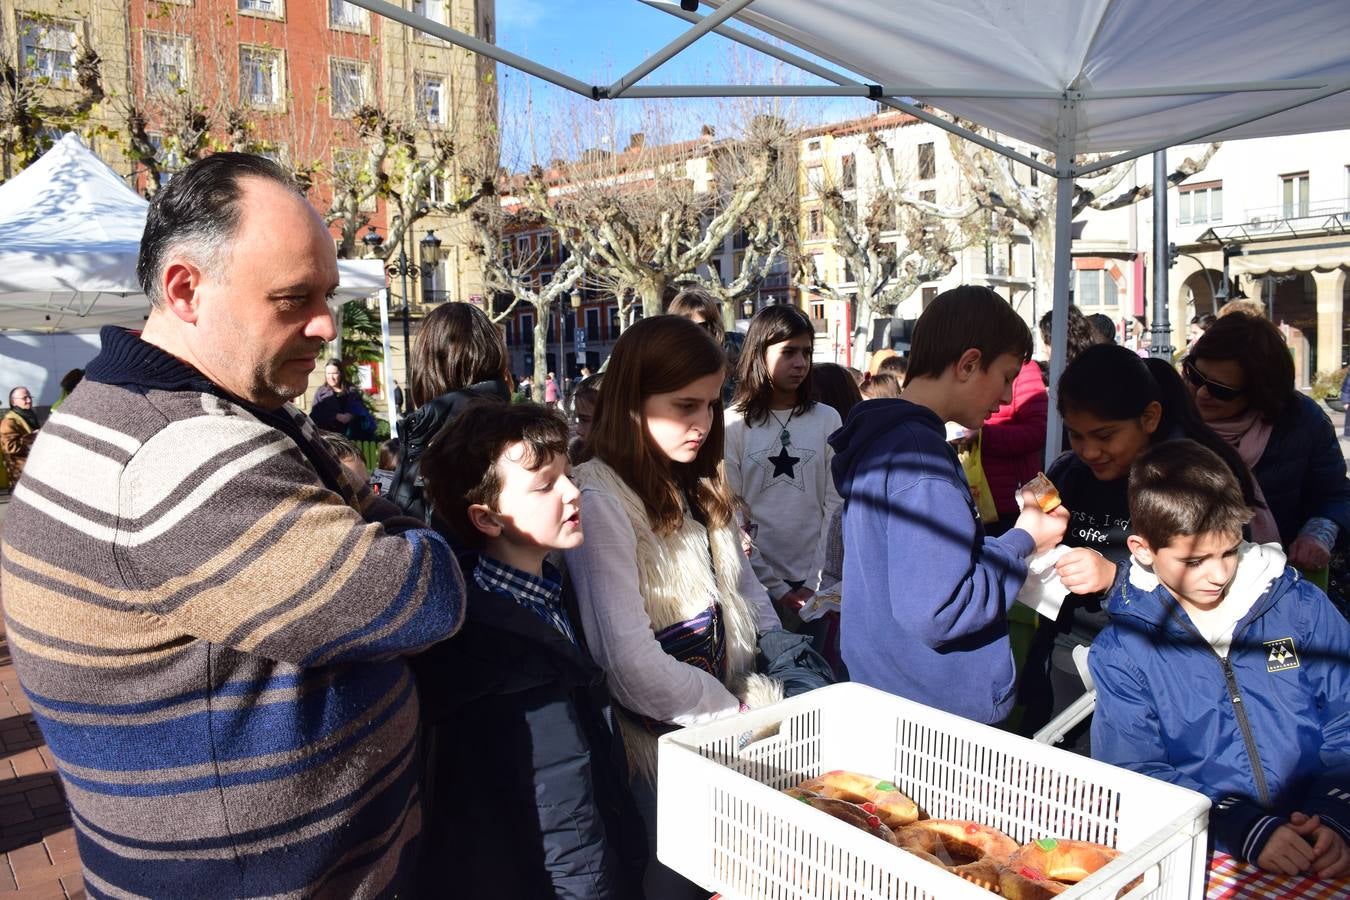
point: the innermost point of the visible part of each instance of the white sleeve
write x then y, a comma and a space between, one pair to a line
830, 500
642, 676
733, 445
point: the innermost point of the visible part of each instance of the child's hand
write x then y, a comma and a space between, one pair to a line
1046, 529
1286, 853
1331, 857
1085, 571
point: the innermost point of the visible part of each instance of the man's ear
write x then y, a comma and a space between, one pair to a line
968, 364
1140, 550
484, 519
179, 285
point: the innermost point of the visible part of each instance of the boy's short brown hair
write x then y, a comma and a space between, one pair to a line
1183, 488
459, 468
965, 318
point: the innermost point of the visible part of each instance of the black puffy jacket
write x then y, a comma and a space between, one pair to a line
420, 426
527, 791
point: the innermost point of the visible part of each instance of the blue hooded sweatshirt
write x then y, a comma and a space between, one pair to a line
927, 592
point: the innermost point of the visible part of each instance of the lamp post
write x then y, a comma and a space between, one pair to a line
431, 257
404, 269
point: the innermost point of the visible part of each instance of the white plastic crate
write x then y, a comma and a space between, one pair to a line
723, 823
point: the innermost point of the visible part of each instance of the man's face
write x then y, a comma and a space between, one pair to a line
538, 508
21, 398
1196, 568
263, 319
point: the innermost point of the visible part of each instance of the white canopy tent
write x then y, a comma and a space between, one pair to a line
1129, 77
71, 231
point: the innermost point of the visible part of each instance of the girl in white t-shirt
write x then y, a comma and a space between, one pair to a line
778, 456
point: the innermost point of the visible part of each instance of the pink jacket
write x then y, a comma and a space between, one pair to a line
1014, 439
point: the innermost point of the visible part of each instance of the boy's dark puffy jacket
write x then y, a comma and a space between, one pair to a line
1165, 703
527, 794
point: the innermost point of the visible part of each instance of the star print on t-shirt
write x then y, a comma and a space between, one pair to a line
785, 465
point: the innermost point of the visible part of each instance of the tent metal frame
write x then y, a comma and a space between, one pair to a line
1064, 169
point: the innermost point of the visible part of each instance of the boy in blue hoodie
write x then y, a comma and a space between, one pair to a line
1225, 672
926, 591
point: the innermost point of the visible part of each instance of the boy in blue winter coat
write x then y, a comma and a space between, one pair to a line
928, 592
527, 790
1225, 672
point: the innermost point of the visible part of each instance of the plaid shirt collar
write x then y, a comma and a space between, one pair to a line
542, 596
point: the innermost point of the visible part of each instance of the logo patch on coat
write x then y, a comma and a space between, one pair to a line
1281, 655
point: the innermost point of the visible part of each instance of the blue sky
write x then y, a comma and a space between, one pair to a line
596, 41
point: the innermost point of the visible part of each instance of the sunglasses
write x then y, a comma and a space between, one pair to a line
1221, 392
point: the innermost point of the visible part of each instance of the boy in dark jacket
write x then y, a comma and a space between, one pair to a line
928, 592
1225, 672
526, 797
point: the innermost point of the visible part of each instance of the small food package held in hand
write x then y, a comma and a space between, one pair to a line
1043, 590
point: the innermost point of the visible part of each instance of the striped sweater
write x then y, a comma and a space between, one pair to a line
210, 627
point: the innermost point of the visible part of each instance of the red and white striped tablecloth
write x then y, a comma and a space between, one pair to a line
1230, 879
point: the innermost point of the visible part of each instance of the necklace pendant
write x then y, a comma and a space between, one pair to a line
785, 437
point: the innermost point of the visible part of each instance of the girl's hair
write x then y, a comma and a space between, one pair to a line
586, 389
1081, 333
880, 386
342, 372
754, 394
1258, 348
389, 453
835, 388
693, 301
656, 356
1112, 383
457, 346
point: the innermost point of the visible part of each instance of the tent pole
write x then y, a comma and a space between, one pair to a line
662, 56
388, 370
816, 69
481, 47
1161, 346
1059, 317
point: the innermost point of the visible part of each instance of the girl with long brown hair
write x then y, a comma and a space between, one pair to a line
668, 603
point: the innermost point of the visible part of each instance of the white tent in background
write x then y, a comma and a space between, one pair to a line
70, 231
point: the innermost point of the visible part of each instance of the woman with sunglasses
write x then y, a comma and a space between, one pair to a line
1115, 406
1242, 377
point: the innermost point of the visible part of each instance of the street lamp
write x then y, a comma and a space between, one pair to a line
405, 270
431, 258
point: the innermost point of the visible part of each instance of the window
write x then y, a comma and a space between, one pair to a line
592, 324
347, 82
527, 329
929, 295
431, 9
928, 197
1200, 203
47, 49
848, 172
435, 190
523, 250
431, 107
260, 81
851, 211
815, 180
1295, 195
166, 63
813, 146
342, 14
614, 328
815, 224
349, 173
817, 307
927, 162
1096, 290
546, 249
262, 7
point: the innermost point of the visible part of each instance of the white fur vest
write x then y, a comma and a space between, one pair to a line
677, 583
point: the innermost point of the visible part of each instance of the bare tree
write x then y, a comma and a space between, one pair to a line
650, 217
44, 88
996, 184
890, 247
511, 272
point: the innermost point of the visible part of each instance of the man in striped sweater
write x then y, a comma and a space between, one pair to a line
209, 619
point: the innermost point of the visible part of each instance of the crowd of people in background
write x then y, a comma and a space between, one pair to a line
459, 679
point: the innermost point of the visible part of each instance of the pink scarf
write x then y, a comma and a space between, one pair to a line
1248, 434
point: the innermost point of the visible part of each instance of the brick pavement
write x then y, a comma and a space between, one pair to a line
40, 860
